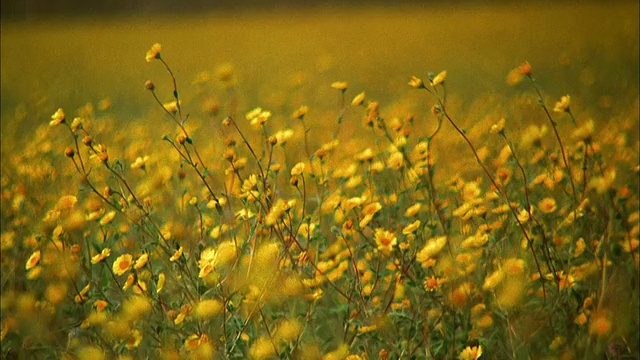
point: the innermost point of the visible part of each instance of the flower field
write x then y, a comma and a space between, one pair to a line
410, 182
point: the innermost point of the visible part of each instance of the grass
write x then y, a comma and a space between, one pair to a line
275, 212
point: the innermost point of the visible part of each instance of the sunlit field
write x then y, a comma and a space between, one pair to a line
410, 182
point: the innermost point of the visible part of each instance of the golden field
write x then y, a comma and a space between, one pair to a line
425, 182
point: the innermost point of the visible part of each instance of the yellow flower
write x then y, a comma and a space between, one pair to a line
207, 262
439, 79
172, 106
585, 131
416, 83
412, 210
297, 169
600, 323
493, 280
81, 296
142, 261
34, 259
547, 205
207, 309
498, 127
57, 118
140, 162
431, 249
563, 104
122, 264
176, 255
471, 353
101, 256
358, 99
108, 218
134, 339
433, 283
301, 112
283, 135
339, 85
66, 202
160, 284
154, 52
386, 240
409, 229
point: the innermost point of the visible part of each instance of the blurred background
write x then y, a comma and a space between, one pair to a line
283, 54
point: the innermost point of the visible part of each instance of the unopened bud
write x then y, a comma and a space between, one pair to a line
69, 152
149, 85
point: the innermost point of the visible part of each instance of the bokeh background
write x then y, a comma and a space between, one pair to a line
69, 53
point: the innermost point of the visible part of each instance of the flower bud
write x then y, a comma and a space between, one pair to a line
149, 85
69, 152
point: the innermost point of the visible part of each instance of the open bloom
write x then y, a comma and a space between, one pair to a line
122, 264
385, 240
471, 353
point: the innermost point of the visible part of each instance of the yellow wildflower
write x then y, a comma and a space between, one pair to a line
547, 205
101, 256
297, 169
498, 127
358, 99
142, 261
122, 264
207, 309
33, 260
416, 83
431, 249
339, 85
160, 284
57, 118
385, 240
471, 353
439, 79
301, 112
154, 52
563, 104
176, 255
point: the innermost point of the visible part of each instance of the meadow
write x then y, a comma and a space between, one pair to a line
407, 182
